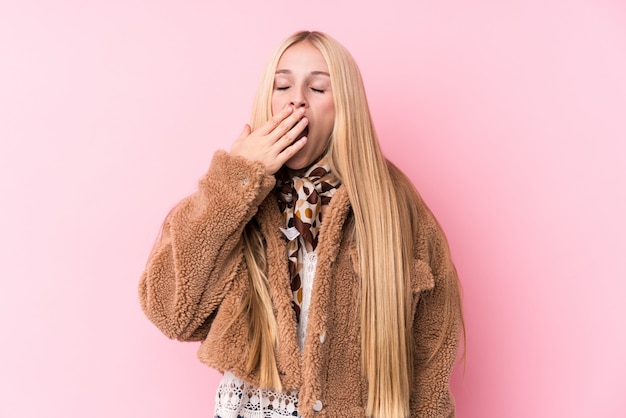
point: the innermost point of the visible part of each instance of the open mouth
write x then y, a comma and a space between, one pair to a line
305, 132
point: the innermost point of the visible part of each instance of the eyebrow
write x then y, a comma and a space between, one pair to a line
312, 72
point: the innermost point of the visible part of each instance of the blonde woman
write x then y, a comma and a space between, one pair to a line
317, 280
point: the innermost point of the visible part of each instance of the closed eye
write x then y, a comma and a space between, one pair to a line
317, 90
281, 88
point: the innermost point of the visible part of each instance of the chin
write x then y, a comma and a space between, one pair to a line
295, 164
298, 162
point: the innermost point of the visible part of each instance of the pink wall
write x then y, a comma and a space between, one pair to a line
509, 116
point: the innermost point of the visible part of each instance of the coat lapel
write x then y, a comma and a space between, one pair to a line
288, 353
330, 240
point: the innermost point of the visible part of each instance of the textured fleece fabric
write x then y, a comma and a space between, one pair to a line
196, 275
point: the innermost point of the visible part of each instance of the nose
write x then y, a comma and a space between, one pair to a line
298, 98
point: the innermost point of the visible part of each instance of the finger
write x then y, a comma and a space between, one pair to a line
290, 136
292, 150
275, 120
287, 124
245, 132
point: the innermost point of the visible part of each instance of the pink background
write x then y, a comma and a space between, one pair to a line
510, 117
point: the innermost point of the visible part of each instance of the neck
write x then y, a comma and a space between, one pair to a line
300, 172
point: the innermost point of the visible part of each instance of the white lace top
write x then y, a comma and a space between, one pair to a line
237, 399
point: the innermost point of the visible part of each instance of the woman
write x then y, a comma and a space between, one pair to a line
316, 278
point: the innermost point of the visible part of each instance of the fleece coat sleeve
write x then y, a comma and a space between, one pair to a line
436, 328
192, 266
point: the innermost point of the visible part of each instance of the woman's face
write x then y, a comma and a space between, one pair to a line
302, 80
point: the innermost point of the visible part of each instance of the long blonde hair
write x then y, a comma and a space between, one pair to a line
385, 248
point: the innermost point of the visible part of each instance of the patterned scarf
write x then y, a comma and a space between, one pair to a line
303, 215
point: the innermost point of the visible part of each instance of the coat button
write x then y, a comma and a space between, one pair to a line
322, 337
317, 406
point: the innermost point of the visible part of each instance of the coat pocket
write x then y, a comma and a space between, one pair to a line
422, 277
225, 347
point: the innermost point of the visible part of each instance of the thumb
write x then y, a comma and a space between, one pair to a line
246, 131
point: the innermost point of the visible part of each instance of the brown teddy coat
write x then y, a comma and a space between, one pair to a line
196, 275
